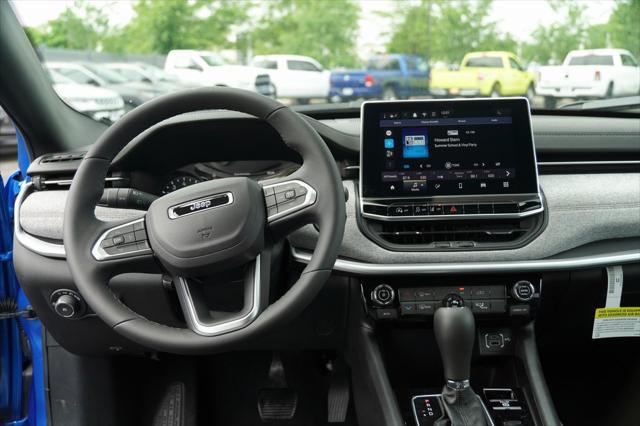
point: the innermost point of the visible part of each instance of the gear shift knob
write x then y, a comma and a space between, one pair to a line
455, 331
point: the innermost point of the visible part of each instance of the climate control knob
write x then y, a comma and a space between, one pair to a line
523, 291
383, 295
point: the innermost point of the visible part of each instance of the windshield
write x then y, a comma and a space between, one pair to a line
557, 53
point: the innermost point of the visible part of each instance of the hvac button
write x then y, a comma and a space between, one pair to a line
407, 308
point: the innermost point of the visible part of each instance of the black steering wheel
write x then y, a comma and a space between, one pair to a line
205, 228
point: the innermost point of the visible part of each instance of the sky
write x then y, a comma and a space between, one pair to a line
518, 17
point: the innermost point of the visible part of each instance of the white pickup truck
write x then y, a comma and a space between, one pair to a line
203, 68
295, 77
590, 74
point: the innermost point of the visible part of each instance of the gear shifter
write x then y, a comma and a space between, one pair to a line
455, 331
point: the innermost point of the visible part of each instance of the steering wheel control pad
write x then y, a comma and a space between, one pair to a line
195, 229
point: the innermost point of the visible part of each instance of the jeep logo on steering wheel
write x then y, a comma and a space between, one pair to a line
200, 205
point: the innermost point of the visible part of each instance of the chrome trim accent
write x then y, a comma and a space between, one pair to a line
535, 158
361, 268
173, 215
309, 199
36, 245
589, 163
458, 384
215, 329
453, 217
65, 182
99, 253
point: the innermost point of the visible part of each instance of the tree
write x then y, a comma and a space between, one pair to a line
552, 42
325, 30
160, 26
624, 26
447, 29
80, 26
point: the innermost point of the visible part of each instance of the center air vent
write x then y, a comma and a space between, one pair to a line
453, 235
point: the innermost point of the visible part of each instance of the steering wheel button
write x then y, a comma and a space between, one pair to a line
138, 226
141, 235
270, 200
129, 238
268, 191
272, 211
290, 194
117, 240
142, 245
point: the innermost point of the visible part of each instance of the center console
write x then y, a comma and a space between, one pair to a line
454, 175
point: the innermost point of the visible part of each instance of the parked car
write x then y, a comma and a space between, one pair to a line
590, 74
296, 77
135, 72
387, 77
206, 68
133, 93
97, 102
485, 74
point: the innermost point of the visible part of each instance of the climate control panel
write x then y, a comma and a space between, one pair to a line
489, 296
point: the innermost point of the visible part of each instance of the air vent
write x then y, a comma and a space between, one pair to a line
60, 158
454, 235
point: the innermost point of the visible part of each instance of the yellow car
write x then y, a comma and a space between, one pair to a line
485, 74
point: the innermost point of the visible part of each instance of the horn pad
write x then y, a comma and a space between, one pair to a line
195, 229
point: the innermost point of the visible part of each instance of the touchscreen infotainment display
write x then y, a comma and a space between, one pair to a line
447, 148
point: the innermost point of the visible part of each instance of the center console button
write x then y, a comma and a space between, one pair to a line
424, 293
426, 308
485, 208
498, 306
453, 209
505, 208
406, 294
481, 306
400, 210
487, 292
407, 308
420, 210
470, 209
382, 295
435, 209
387, 313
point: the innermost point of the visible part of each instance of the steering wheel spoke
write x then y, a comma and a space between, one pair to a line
201, 320
123, 246
290, 203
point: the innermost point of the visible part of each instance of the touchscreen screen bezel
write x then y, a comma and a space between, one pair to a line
527, 182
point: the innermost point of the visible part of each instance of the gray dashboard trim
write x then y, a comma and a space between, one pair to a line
361, 268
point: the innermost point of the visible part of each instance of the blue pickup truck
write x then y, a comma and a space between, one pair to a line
385, 77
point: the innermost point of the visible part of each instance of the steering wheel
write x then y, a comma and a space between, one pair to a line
205, 228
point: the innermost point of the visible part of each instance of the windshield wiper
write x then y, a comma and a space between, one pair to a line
628, 103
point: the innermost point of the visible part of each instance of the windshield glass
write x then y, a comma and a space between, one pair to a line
556, 53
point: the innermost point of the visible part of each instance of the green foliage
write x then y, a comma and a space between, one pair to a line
80, 26
447, 29
160, 26
624, 25
326, 30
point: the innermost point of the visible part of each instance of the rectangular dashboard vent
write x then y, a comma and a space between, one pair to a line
59, 158
453, 234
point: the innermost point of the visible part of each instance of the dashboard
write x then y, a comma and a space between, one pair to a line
587, 216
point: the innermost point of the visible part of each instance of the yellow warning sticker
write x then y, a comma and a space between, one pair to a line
618, 312
616, 322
